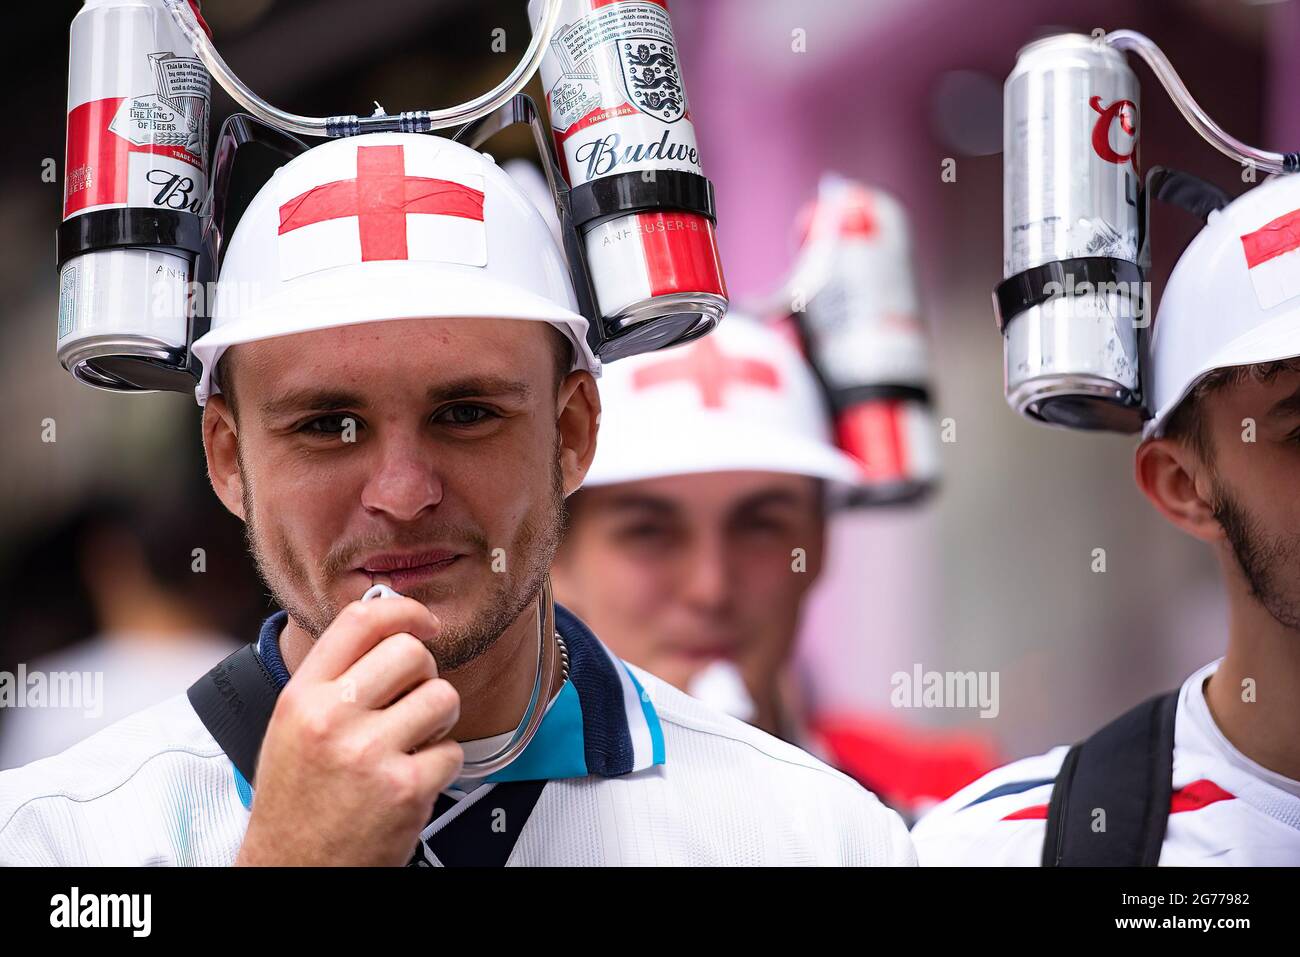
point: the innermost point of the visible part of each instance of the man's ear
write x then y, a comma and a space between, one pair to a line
221, 446
1178, 483
577, 420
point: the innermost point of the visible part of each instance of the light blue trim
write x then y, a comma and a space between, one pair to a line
651, 719
558, 750
244, 789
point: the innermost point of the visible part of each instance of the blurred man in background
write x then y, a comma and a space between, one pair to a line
701, 529
1209, 774
126, 602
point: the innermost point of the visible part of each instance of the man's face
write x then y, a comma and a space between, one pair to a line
1255, 485
427, 442
677, 573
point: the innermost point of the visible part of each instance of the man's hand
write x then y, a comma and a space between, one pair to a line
355, 753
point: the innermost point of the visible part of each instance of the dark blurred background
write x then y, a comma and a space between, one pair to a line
993, 574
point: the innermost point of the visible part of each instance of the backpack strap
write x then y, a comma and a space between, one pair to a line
1126, 771
234, 701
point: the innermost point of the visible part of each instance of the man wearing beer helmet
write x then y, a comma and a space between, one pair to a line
405, 399
1209, 774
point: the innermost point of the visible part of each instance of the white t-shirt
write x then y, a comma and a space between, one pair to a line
624, 770
1225, 808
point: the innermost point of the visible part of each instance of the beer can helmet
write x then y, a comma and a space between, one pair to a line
1233, 298
145, 225
742, 398
387, 226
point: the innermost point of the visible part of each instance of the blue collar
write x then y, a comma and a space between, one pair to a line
602, 721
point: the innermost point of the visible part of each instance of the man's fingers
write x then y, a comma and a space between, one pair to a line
358, 628
438, 765
393, 667
424, 713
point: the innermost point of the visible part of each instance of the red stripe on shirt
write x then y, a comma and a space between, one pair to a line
1193, 797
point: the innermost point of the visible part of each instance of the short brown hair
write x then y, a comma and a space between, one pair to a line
1187, 422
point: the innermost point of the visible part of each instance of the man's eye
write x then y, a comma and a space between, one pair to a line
464, 414
760, 523
646, 532
329, 425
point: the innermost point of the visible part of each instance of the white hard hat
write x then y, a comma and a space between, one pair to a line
741, 398
533, 183
1233, 298
387, 226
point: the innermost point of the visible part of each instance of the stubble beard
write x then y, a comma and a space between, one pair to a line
525, 563
1264, 559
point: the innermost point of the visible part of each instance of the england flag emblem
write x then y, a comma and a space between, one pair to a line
377, 203
1273, 258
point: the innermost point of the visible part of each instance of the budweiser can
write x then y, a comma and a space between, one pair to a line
1070, 213
135, 191
617, 105
864, 336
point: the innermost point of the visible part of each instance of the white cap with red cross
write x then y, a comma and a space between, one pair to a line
1233, 299
741, 398
387, 226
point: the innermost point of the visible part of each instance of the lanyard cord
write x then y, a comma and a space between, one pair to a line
547, 652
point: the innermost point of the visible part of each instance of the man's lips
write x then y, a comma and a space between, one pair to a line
405, 571
393, 562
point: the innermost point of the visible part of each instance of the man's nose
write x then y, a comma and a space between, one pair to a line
709, 573
404, 478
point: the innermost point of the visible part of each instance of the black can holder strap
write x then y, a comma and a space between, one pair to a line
608, 197
1039, 284
128, 226
847, 398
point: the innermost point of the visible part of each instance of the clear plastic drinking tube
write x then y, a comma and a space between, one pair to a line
1213, 133
538, 702
415, 121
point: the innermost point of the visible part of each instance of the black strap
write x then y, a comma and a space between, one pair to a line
623, 193
1039, 284
128, 226
847, 398
234, 701
1126, 771
1190, 193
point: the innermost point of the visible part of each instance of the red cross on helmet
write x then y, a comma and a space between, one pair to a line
740, 399
387, 226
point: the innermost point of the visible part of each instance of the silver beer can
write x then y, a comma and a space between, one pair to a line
1070, 198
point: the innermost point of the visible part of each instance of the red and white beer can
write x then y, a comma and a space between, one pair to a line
863, 332
617, 105
135, 187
